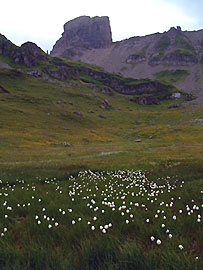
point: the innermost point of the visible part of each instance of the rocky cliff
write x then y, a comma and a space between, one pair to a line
81, 34
89, 40
29, 53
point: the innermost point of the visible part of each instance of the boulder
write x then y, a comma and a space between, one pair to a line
101, 116
85, 139
78, 113
145, 100
4, 90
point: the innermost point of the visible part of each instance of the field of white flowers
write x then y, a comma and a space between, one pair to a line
114, 220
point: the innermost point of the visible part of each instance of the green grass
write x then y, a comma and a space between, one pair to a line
184, 45
172, 76
162, 45
36, 117
55, 224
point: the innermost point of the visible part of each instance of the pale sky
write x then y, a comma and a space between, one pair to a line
41, 21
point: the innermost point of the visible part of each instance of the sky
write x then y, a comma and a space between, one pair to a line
41, 21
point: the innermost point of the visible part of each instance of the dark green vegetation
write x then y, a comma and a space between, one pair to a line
172, 76
184, 45
163, 44
53, 128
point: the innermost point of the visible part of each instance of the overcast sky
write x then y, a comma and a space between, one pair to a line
41, 21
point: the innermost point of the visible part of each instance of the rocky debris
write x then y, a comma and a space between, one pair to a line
107, 91
150, 137
199, 121
93, 131
90, 111
174, 106
101, 116
83, 33
179, 95
66, 144
93, 87
85, 139
138, 140
4, 90
135, 58
70, 102
176, 95
105, 104
62, 72
35, 73
189, 97
145, 100
78, 113
61, 102
4, 65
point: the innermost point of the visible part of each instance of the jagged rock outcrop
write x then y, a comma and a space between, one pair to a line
81, 34
27, 54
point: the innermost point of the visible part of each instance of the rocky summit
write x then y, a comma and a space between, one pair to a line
174, 56
81, 34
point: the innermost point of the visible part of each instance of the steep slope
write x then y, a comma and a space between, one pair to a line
31, 59
141, 57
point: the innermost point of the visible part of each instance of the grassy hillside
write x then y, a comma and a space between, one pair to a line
37, 116
52, 129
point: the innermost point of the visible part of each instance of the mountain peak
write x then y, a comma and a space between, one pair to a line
84, 32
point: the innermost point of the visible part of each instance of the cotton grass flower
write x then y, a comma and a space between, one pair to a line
152, 238
158, 242
181, 247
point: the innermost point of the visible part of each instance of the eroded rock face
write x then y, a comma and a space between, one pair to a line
27, 54
83, 33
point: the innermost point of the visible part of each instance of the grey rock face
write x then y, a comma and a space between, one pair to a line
83, 33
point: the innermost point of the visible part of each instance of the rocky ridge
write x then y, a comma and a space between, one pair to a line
137, 57
29, 55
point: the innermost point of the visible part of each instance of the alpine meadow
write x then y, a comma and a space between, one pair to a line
101, 151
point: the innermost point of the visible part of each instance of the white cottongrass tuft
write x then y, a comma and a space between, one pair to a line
181, 247
152, 238
158, 241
